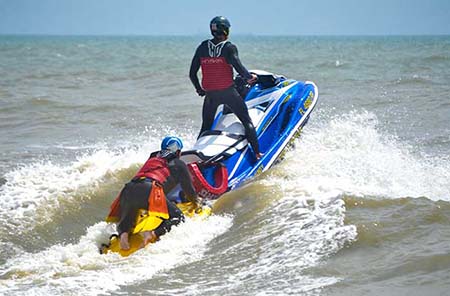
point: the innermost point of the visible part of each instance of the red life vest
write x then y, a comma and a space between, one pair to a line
217, 74
155, 168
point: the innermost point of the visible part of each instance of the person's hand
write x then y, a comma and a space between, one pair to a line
253, 79
201, 92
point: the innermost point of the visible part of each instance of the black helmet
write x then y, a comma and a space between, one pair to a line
219, 26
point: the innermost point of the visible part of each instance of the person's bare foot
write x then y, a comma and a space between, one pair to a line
149, 236
124, 244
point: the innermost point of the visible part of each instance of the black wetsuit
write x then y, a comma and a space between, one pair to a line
134, 196
228, 96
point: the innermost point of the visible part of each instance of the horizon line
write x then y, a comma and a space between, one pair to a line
236, 35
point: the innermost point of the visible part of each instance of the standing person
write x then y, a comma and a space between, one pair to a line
217, 58
158, 176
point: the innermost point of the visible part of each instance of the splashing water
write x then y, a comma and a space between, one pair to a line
79, 269
297, 230
351, 155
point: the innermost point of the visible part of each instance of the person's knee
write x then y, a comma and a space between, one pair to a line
249, 127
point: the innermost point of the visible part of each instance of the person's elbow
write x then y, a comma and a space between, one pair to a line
193, 76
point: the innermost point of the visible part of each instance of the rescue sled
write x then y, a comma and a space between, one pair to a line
136, 237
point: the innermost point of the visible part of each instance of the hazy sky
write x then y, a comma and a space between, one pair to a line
188, 17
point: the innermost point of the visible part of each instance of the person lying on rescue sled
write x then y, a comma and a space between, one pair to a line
147, 190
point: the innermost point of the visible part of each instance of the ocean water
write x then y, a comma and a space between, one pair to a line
360, 205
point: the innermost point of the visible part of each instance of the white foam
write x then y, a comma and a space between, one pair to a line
297, 232
43, 184
344, 155
351, 155
79, 269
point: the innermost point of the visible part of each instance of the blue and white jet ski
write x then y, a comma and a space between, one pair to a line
222, 159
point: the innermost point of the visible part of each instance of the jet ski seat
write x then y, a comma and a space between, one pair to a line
267, 79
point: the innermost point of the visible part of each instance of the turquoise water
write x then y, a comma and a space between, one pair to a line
359, 207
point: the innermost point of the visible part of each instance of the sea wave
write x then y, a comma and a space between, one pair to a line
414, 79
32, 193
352, 154
285, 222
43, 185
333, 64
437, 58
79, 269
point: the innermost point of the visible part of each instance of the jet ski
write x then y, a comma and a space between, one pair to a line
222, 159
